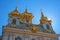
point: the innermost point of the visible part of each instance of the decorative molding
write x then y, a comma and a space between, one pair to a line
21, 31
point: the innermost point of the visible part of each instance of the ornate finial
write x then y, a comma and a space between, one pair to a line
42, 15
16, 9
26, 11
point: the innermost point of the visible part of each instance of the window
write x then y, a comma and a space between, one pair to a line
51, 39
48, 26
18, 38
26, 21
33, 39
14, 21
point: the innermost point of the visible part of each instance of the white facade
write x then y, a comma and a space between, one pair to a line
13, 33
18, 29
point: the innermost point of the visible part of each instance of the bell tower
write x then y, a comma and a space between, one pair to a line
44, 20
26, 17
14, 17
45, 23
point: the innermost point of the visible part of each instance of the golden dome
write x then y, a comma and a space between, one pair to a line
44, 19
15, 13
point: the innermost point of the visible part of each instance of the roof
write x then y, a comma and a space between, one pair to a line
29, 26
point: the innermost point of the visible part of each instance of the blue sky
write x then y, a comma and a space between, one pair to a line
51, 9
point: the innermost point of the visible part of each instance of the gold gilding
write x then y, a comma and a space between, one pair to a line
22, 17
26, 16
14, 13
34, 29
44, 19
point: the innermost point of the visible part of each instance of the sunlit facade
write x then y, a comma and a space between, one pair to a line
20, 27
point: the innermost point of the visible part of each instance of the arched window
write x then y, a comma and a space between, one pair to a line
14, 21
18, 38
33, 39
26, 21
48, 26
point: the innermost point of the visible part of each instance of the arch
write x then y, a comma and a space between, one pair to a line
26, 21
18, 38
47, 26
14, 21
33, 39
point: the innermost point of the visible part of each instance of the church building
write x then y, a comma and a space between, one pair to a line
20, 27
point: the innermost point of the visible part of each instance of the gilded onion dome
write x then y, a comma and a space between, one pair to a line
44, 19
26, 16
14, 13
